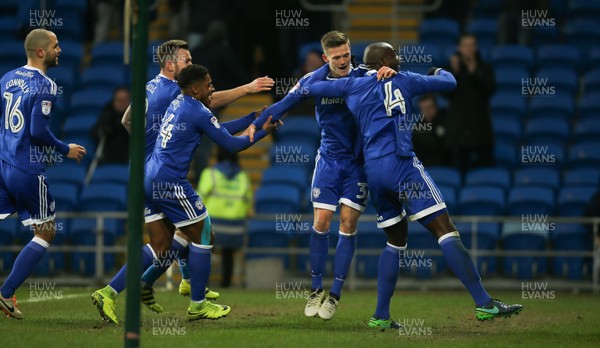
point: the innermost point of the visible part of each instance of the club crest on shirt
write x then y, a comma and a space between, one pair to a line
316, 192
199, 204
215, 122
46, 107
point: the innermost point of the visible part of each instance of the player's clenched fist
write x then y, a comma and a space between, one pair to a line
260, 84
76, 152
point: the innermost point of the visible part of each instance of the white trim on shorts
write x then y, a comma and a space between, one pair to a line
31, 221
185, 203
4, 216
324, 206
191, 221
352, 205
154, 217
427, 211
392, 221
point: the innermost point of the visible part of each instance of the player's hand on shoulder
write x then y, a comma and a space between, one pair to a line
261, 84
76, 152
385, 72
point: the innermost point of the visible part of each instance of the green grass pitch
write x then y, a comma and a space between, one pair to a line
259, 319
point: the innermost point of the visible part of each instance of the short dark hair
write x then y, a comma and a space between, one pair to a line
427, 96
334, 39
168, 51
191, 74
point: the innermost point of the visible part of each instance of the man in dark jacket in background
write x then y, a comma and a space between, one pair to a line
469, 118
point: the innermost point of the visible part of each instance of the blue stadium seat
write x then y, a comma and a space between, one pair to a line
299, 128
104, 197
523, 267
564, 80
74, 126
587, 131
481, 200
547, 130
12, 54
82, 232
530, 200
509, 79
358, 49
559, 56
593, 58
71, 54
103, 77
449, 194
285, 175
415, 58
570, 237
90, 100
582, 177
583, 33
416, 261
505, 155
86, 141
544, 36
66, 196
297, 154
73, 22
111, 174
542, 154
278, 199
488, 177
107, 53
485, 30
369, 237
488, 235
545, 177
583, 9
512, 56
507, 130
511, 105
79, 5
8, 26
591, 82
438, 31
445, 176
64, 78
585, 155
264, 234
66, 173
589, 106
572, 201
560, 106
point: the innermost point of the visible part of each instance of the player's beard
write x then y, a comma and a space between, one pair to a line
50, 62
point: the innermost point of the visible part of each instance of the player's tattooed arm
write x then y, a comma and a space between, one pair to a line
126, 120
222, 98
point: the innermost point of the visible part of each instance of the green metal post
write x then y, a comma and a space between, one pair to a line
136, 175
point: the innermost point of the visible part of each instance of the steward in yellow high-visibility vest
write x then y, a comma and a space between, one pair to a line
226, 191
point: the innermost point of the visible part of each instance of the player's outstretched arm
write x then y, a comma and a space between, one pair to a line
231, 143
437, 80
126, 120
222, 98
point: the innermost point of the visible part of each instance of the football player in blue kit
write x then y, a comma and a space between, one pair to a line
26, 146
172, 56
397, 179
187, 119
338, 178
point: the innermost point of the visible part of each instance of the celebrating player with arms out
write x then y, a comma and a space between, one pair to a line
395, 175
338, 178
26, 145
187, 119
173, 56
